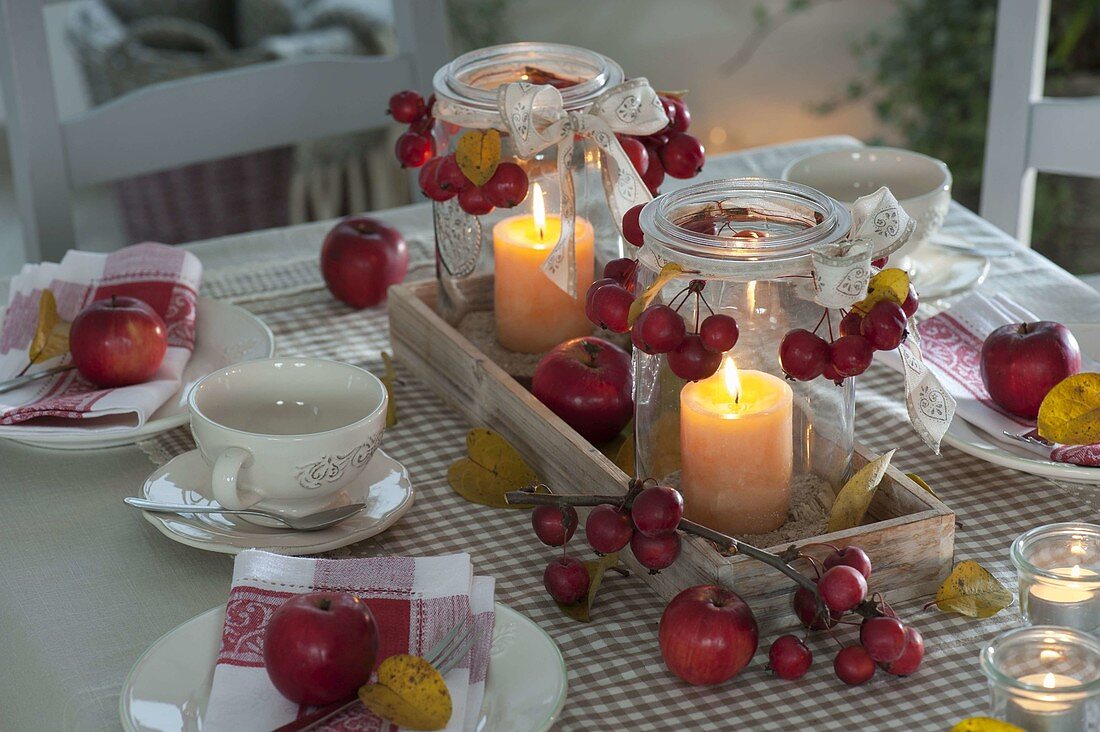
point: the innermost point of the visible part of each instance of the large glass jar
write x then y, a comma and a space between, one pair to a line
737, 442
467, 93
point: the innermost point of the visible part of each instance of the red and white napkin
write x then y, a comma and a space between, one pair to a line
167, 278
415, 601
951, 344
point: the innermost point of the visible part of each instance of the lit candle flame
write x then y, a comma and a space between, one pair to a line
1048, 681
539, 210
1076, 571
732, 380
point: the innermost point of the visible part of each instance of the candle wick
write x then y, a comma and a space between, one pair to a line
542, 235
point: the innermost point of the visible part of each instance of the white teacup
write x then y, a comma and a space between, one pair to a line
287, 434
921, 183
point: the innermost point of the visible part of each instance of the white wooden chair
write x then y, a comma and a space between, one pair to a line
1028, 132
177, 123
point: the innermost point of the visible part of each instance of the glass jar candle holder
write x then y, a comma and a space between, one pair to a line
736, 443
1059, 573
533, 312
1044, 679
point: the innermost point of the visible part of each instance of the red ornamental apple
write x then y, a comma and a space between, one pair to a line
586, 382
361, 258
118, 341
320, 647
707, 635
1021, 362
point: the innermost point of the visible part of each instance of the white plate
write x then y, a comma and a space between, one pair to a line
225, 334
168, 688
975, 441
384, 486
938, 272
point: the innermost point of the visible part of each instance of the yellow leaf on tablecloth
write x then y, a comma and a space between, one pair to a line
920, 481
389, 377
51, 334
1070, 413
478, 155
492, 468
853, 499
582, 609
890, 284
985, 724
668, 273
972, 591
410, 692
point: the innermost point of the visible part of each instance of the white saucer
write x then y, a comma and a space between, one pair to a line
976, 442
224, 335
939, 272
169, 687
384, 486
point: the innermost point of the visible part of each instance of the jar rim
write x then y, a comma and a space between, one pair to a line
777, 254
1029, 634
449, 81
1018, 551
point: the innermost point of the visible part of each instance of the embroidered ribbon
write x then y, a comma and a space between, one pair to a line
841, 275
535, 117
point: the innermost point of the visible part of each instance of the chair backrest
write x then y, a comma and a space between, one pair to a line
201, 118
1028, 132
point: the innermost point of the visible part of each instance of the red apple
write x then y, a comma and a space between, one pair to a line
707, 635
586, 382
361, 258
118, 341
320, 647
1021, 362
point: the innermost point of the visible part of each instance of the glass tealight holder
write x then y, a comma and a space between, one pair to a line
1059, 573
1044, 679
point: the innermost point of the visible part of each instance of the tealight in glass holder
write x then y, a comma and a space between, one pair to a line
1044, 679
1059, 573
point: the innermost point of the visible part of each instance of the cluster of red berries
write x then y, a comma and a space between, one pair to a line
416, 146
648, 526
441, 178
804, 355
671, 151
884, 641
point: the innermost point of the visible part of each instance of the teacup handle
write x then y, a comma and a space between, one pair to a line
224, 480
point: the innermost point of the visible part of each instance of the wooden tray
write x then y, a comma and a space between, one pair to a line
908, 533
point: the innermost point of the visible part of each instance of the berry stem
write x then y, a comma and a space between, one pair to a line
818, 326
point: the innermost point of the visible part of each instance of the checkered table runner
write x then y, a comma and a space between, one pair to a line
616, 678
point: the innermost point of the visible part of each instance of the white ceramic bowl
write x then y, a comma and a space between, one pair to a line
921, 184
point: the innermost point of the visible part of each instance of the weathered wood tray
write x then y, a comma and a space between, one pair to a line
908, 533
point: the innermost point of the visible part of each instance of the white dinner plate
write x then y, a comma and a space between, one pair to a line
384, 487
224, 335
974, 441
939, 272
169, 687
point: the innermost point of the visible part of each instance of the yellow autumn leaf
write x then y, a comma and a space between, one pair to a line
855, 497
985, 724
389, 377
51, 334
478, 155
889, 284
492, 468
410, 692
1070, 412
582, 609
668, 273
920, 481
972, 591
624, 456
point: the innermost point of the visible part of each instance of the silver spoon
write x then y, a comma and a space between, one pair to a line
312, 522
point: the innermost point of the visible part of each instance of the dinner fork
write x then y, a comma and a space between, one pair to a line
1031, 437
444, 655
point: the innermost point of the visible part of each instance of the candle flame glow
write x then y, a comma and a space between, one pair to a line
731, 379
538, 209
1076, 571
1048, 681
